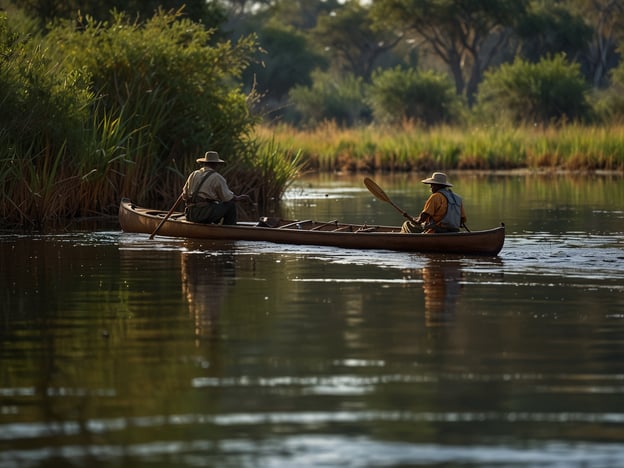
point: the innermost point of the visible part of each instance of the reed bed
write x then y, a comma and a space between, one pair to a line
265, 177
410, 147
54, 185
112, 110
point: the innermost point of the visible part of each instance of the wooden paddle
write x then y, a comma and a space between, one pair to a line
379, 193
167, 217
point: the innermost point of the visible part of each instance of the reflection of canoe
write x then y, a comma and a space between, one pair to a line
135, 219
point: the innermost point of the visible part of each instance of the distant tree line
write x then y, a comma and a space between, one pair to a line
429, 61
434, 61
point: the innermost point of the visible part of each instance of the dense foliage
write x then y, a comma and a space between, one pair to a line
426, 97
115, 109
340, 100
551, 90
463, 40
317, 43
611, 102
210, 13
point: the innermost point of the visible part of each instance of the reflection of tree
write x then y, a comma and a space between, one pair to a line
205, 282
442, 286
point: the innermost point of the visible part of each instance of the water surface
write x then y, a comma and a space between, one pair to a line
117, 350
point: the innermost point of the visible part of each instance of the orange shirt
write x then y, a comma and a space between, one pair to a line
436, 206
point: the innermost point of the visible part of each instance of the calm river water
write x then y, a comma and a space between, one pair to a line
119, 351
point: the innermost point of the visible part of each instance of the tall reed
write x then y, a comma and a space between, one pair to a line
410, 147
113, 110
266, 176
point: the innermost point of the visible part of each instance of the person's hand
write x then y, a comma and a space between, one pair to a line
243, 197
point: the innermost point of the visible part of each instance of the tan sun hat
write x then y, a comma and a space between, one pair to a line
210, 157
438, 178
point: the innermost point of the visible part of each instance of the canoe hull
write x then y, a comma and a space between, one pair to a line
135, 219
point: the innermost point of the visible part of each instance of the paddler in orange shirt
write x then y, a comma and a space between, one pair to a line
443, 210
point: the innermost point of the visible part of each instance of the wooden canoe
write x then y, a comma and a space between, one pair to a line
142, 220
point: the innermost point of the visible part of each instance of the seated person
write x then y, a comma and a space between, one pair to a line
207, 195
443, 210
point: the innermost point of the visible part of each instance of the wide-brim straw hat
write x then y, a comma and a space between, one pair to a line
210, 157
437, 178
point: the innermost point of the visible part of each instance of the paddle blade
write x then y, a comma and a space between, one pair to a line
376, 189
379, 193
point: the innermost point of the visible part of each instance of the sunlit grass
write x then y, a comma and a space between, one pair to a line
410, 147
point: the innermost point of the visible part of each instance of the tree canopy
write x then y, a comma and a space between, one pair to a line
319, 43
348, 35
466, 36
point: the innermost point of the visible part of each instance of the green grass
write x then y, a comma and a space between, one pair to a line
572, 147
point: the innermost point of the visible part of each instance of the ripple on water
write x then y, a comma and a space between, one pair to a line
307, 448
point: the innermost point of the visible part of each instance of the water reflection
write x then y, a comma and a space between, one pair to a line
206, 280
442, 286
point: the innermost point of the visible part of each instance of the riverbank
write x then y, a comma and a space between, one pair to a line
571, 148
37, 198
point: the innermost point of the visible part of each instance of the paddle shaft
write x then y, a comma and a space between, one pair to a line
167, 216
379, 193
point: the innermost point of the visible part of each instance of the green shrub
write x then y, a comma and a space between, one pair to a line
167, 78
400, 94
107, 110
550, 91
44, 115
43, 105
330, 99
610, 102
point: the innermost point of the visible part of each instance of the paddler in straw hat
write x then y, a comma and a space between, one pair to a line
443, 210
207, 195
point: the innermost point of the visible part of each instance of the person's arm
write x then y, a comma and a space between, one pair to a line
227, 195
221, 189
424, 217
187, 188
